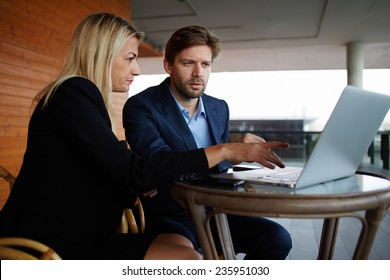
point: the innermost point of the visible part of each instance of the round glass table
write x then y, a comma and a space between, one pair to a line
365, 193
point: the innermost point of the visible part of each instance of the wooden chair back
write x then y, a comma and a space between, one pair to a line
4, 173
18, 248
129, 221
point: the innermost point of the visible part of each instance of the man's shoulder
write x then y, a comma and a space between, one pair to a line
145, 96
213, 100
150, 93
145, 93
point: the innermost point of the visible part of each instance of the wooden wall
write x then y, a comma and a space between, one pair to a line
34, 38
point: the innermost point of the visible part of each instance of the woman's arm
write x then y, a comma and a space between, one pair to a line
260, 152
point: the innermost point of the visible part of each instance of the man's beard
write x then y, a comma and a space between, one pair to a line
187, 91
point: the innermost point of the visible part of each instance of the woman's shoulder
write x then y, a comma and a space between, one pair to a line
80, 85
80, 89
78, 82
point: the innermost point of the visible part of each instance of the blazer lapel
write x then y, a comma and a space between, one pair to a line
171, 112
212, 119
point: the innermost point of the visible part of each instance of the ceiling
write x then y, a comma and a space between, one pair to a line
273, 34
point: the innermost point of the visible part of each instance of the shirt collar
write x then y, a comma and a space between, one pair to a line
199, 111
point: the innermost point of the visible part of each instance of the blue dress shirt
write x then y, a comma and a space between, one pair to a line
197, 124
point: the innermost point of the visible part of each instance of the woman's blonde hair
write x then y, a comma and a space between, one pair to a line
96, 43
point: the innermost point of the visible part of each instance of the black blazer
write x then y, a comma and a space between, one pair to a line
77, 177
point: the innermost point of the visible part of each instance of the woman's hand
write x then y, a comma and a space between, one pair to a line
260, 152
250, 138
150, 194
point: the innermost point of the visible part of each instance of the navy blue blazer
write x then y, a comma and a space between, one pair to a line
153, 123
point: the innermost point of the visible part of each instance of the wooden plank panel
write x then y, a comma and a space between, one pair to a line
38, 40
41, 13
26, 43
64, 12
146, 50
11, 152
25, 73
8, 121
30, 82
16, 56
9, 142
13, 164
14, 101
34, 39
13, 90
13, 131
14, 112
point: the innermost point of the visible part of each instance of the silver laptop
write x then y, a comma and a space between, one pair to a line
341, 146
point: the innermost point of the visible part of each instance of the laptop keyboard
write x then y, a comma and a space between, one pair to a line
284, 176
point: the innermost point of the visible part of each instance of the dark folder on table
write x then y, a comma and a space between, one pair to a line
340, 148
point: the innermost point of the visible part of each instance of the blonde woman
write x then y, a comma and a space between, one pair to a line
77, 177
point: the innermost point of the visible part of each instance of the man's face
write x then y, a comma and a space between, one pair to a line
190, 71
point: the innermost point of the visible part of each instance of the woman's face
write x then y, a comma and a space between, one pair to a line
125, 66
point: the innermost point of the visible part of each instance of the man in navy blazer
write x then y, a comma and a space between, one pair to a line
170, 131
178, 115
